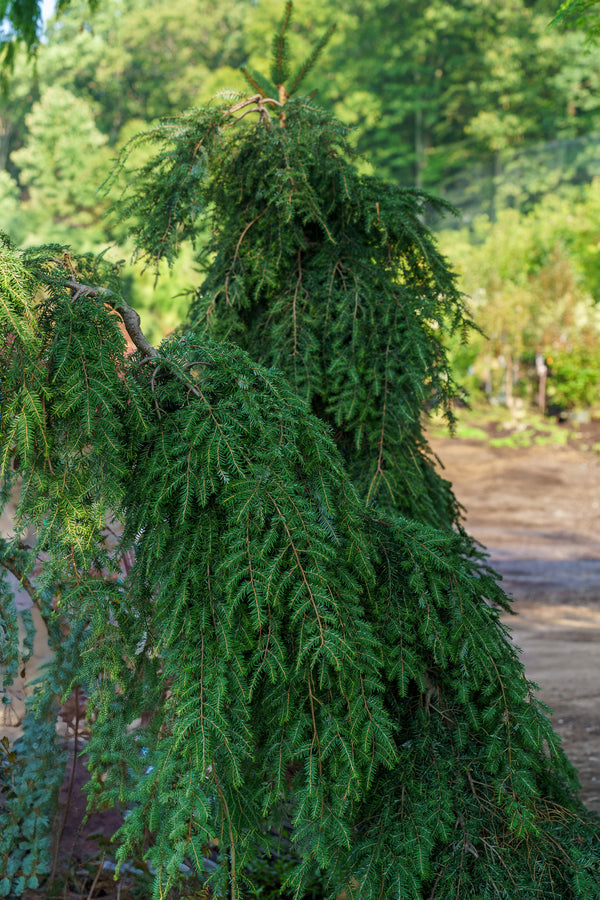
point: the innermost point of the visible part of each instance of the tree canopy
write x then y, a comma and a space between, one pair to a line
476, 79
583, 13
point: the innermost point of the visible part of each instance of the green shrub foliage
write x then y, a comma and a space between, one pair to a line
304, 626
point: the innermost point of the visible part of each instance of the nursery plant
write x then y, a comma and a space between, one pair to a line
244, 550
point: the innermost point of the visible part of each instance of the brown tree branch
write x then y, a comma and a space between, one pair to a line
9, 563
129, 316
131, 321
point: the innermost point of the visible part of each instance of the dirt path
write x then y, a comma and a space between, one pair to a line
537, 510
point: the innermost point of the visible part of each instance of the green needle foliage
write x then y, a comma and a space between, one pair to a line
302, 628
328, 275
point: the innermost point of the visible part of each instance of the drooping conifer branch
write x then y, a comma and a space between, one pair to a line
130, 317
132, 322
11, 565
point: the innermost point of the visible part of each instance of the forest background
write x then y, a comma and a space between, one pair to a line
478, 101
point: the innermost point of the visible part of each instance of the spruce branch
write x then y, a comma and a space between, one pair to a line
257, 81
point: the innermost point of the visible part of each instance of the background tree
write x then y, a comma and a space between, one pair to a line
476, 81
287, 644
140, 61
583, 13
532, 283
61, 164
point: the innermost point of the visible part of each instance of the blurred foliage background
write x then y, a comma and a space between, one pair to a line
478, 101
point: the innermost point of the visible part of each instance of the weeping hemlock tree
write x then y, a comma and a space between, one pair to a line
327, 275
303, 629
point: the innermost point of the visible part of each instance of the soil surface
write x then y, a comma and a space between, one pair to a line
537, 510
